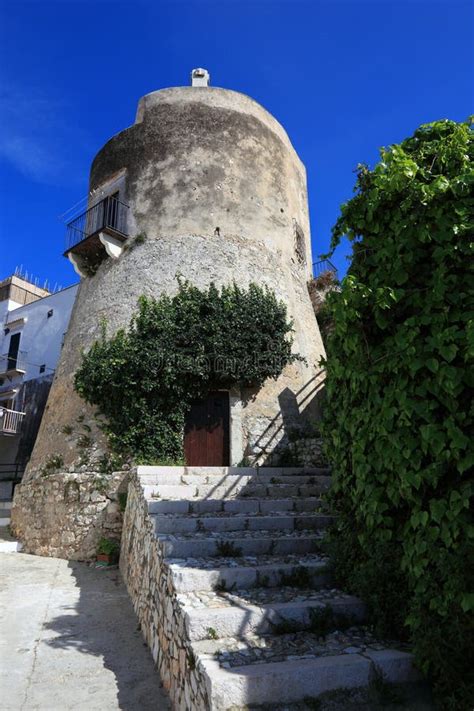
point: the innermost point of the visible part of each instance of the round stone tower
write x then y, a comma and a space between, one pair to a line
206, 185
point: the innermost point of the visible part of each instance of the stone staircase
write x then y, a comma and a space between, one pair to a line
5, 511
240, 554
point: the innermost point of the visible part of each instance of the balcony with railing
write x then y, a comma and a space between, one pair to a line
102, 224
10, 421
324, 266
13, 364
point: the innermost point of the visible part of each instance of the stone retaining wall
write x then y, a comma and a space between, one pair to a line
150, 586
308, 452
64, 514
301, 452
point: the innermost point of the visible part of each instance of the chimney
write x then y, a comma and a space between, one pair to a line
200, 77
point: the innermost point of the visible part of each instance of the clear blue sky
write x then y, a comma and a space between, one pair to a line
344, 78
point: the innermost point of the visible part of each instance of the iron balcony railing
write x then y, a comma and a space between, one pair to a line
324, 265
109, 213
10, 420
10, 362
11, 473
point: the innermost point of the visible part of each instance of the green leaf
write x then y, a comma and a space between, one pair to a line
432, 364
438, 509
467, 602
449, 352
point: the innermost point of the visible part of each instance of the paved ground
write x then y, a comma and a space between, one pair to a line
69, 640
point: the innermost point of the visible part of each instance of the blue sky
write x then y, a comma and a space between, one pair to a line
344, 78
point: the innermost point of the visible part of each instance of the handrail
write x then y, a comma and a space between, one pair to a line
324, 265
12, 472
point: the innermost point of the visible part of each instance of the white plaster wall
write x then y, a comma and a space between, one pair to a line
41, 337
5, 307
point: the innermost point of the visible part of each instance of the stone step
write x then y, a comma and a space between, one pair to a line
175, 479
164, 474
187, 523
170, 492
283, 490
232, 573
238, 616
232, 490
245, 505
10, 546
243, 543
7, 543
200, 599
298, 678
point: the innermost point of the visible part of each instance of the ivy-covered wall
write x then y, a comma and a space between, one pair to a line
399, 418
176, 349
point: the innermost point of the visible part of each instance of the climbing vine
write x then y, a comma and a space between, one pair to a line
399, 415
176, 349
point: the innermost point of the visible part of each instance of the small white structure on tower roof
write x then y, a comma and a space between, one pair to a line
200, 77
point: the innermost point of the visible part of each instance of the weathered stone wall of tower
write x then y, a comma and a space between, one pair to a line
214, 183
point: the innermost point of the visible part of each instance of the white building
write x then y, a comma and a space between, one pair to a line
33, 323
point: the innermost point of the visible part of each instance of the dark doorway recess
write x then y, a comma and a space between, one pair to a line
13, 350
206, 431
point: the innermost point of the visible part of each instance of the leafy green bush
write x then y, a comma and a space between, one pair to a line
108, 547
176, 350
399, 416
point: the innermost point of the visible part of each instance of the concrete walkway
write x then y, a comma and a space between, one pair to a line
69, 640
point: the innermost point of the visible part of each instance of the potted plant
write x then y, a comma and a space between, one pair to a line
107, 552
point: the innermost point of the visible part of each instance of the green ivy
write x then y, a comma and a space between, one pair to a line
177, 349
399, 414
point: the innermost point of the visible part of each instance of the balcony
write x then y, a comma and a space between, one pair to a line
13, 365
100, 229
323, 267
10, 421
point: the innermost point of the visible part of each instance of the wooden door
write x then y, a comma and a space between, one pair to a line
206, 432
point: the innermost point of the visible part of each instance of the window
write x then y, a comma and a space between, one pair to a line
50, 313
42, 368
